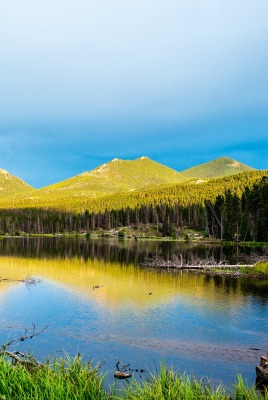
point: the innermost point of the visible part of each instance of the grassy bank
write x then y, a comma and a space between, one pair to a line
71, 379
259, 269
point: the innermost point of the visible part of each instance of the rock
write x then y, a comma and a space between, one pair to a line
122, 375
262, 373
262, 370
264, 362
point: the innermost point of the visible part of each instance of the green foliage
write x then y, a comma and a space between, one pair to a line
223, 166
233, 217
122, 233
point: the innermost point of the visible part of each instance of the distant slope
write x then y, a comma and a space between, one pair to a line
223, 166
11, 185
114, 177
184, 194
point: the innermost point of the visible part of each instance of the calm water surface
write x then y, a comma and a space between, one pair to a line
199, 324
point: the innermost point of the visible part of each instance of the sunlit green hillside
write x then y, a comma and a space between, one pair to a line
117, 176
184, 194
223, 166
11, 185
114, 177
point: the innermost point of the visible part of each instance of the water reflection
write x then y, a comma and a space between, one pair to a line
129, 283
124, 252
201, 323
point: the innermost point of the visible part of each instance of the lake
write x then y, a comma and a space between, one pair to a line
207, 326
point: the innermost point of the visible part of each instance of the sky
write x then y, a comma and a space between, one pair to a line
82, 82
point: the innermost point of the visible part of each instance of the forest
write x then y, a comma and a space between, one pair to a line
230, 216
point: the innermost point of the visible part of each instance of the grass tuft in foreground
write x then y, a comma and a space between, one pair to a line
65, 379
169, 386
60, 379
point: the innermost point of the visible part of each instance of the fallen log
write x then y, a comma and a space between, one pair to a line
193, 263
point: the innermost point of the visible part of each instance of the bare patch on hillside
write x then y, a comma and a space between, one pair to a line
235, 164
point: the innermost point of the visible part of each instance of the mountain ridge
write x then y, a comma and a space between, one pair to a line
117, 176
113, 178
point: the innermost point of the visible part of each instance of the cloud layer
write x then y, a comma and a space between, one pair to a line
85, 81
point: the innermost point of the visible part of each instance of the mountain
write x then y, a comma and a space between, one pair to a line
11, 185
125, 183
112, 178
223, 166
117, 176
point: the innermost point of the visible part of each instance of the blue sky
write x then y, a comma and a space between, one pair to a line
83, 82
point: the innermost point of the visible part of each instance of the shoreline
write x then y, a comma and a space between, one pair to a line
140, 238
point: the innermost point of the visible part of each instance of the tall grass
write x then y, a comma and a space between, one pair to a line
168, 385
66, 379
60, 379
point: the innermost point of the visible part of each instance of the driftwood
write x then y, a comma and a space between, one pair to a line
29, 280
192, 263
252, 258
18, 357
124, 371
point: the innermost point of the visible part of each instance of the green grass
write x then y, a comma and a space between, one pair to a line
259, 269
223, 166
71, 379
61, 379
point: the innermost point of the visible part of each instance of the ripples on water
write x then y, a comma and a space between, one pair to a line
204, 325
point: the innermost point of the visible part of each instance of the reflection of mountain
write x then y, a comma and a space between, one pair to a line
128, 285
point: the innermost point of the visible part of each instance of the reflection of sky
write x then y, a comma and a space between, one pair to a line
185, 329
82, 83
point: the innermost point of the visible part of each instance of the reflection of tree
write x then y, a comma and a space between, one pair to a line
123, 252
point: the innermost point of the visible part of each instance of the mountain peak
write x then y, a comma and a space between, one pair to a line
117, 176
222, 166
143, 158
115, 160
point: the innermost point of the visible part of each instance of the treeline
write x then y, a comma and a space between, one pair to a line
40, 221
230, 216
240, 218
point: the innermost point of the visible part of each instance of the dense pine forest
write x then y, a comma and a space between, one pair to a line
236, 214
